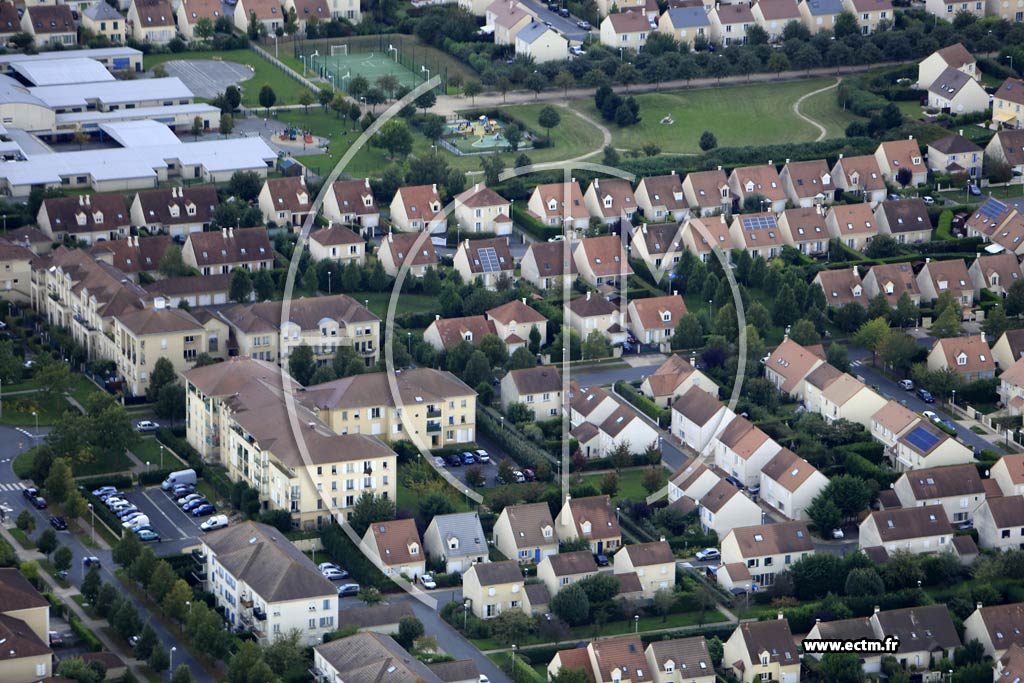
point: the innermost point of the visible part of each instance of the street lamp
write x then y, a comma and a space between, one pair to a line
303, 58
275, 47
161, 456
953, 401
513, 660
171, 660
93, 526
408, 339
465, 613
328, 282
425, 70
746, 595
1010, 57
35, 435
147, 467
636, 623
617, 510
502, 423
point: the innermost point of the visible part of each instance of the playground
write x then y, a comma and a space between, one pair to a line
480, 135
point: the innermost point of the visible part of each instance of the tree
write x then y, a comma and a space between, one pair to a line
512, 626
494, 349
263, 285
182, 674
1015, 299
898, 351
522, 358
163, 373
395, 137
60, 482
368, 509
161, 580
849, 494
358, 86
549, 118
241, 285
47, 542
596, 346
816, 576
824, 514
610, 484
62, 559
708, 141
472, 89
842, 667
571, 605
91, 583
127, 549
171, 263
426, 100
159, 659
873, 335
477, 370
267, 97
600, 588
125, 618
197, 127
568, 675
804, 333
513, 136
409, 629
864, 581
301, 364
371, 596
78, 670
689, 332
947, 324
653, 479
174, 602
838, 357
25, 521
434, 504
432, 126
245, 185
53, 377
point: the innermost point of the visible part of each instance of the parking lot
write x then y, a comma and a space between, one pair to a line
175, 526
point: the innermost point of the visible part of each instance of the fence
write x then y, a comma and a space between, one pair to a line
410, 55
288, 71
1013, 437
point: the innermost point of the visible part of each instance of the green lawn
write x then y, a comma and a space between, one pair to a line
286, 88
630, 483
407, 303
17, 410
824, 109
22, 538
148, 450
731, 113
999, 192
910, 109
102, 464
22, 464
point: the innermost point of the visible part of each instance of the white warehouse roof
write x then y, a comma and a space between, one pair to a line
62, 71
112, 92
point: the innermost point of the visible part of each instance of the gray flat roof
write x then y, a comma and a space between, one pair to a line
63, 71
112, 92
98, 53
13, 91
158, 114
141, 133
138, 162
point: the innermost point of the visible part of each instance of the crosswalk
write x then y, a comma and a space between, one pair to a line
17, 486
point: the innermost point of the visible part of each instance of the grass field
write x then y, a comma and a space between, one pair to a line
630, 483
286, 89
731, 113
824, 109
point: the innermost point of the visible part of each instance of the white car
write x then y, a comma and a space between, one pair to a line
327, 565
334, 574
928, 200
838, 533
439, 461
483, 456
215, 522
141, 520
146, 426
708, 554
931, 415
428, 581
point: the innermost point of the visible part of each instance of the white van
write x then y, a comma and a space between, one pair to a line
214, 522
180, 477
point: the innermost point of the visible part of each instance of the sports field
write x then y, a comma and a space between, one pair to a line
738, 116
369, 65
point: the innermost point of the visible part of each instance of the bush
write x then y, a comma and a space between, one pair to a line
342, 550
153, 477
663, 416
509, 438
90, 638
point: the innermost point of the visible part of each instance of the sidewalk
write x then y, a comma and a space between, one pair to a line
65, 594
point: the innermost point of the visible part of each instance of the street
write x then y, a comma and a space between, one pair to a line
564, 25
12, 442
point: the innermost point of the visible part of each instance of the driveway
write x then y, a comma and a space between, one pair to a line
860, 365
601, 376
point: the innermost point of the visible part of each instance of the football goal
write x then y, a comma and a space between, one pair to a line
339, 50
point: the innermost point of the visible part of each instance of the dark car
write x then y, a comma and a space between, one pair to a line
735, 482
925, 396
530, 475
202, 510
39, 502
30, 493
347, 589
183, 490
601, 559
58, 523
192, 505
90, 561
563, 12
454, 460
974, 190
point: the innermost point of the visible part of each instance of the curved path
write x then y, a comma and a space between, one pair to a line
605, 134
822, 132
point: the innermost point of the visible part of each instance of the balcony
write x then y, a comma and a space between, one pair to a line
433, 426
367, 468
368, 351
259, 614
245, 601
433, 412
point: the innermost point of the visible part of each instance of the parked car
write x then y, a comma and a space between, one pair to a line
215, 522
907, 384
974, 190
483, 456
563, 12
347, 589
193, 504
39, 502
146, 536
838, 534
601, 559
146, 426
754, 490
439, 461
428, 581
334, 574
454, 460
90, 561
708, 554
529, 475
520, 477
183, 490
140, 521
123, 513
188, 499
58, 523
735, 482
30, 492
585, 25
468, 458
55, 639
925, 396
104, 490
203, 510
928, 200
133, 515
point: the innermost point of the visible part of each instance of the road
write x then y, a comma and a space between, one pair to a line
601, 376
12, 442
861, 366
564, 25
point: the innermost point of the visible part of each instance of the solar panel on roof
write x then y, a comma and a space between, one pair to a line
993, 208
757, 222
489, 260
921, 439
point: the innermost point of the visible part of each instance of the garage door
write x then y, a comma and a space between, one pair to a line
455, 566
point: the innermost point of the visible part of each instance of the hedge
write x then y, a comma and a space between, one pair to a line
90, 638
118, 481
180, 446
154, 476
534, 226
511, 439
342, 550
663, 416
105, 515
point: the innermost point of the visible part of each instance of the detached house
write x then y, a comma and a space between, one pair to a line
767, 549
925, 634
337, 243
951, 276
852, 224
487, 262
610, 200
729, 23
995, 272
858, 628
955, 154
906, 220
151, 21
514, 322
743, 450
1008, 473
788, 366
997, 627
493, 587
593, 519
685, 24
25, 629
702, 236
285, 201
913, 530
953, 56
592, 312
395, 548
724, 508
893, 280
1000, 523
541, 44
773, 15
892, 422
758, 234
444, 334
968, 357
86, 218
418, 208
49, 25
548, 265
698, 418
841, 286
457, 540
539, 389
707, 192
526, 532
351, 203
102, 20
191, 11
1007, 103
559, 204
948, 9
681, 660
763, 650
1007, 146
805, 230
789, 484
308, 11
653, 563
1009, 348
398, 249
955, 92
481, 209
213, 252
628, 30
673, 378
659, 246
958, 489
902, 155
860, 176
1011, 387
924, 445
267, 12
693, 480
807, 183
758, 181
564, 569
660, 198
602, 260
177, 211
870, 13
506, 18
653, 320
820, 15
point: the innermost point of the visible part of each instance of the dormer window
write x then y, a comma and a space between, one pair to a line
81, 218
552, 205
961, 359
173, 210
414, 549
916, 161
666, 317
607, 202
190, 209
468, 336
453, 543
749, 186
585, 528
547, 532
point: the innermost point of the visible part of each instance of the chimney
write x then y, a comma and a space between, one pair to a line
719, 168
476, 187
81, 200
88, 200
434, 188
366, 183
643, 12
523, 300
817, 620
928, 260
673, 171
437, 317
910, 137
840, 155
391, 236
675, 292
779, 616
770, 163
588, 295
662, 539
231, 233
224, 233
566, 513
787, 161
302, 180
877, 609
978, 605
